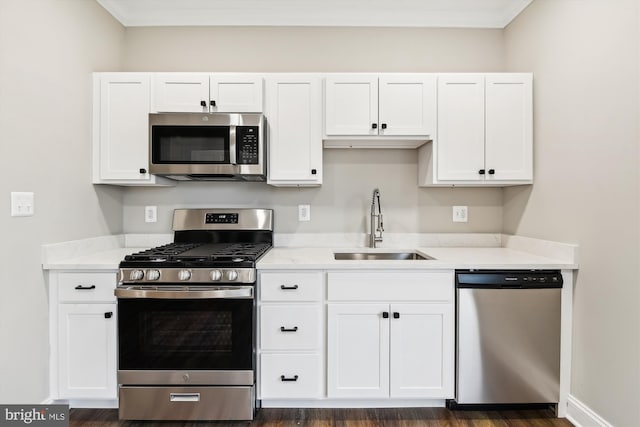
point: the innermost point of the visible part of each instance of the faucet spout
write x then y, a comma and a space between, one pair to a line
376, 224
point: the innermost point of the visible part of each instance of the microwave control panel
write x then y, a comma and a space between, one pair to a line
247, 145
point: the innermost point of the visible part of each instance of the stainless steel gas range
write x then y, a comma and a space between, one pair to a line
186, 319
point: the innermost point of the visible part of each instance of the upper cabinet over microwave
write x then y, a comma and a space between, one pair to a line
207, 93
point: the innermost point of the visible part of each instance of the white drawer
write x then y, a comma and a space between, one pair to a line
436, 286
291, 376
295, 286
290, 327
88, 287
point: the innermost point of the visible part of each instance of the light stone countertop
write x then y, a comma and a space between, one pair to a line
445, 258
500, 252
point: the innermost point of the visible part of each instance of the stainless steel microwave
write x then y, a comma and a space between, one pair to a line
203, 146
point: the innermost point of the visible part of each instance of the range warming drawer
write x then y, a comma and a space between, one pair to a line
187, 403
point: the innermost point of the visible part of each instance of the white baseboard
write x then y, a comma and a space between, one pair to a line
581, 415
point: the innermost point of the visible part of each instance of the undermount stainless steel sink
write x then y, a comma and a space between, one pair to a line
377, 256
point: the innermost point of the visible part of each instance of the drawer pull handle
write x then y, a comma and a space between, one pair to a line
184, 397
85, 288
283, 329
283, 378
288, 288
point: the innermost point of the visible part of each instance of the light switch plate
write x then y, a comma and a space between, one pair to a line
304, 212
22, 204
150, 214
460, 214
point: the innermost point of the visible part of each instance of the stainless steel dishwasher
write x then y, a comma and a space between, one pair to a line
507, 337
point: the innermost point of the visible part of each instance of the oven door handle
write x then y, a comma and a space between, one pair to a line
235, 292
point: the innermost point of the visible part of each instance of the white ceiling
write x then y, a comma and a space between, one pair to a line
357, 13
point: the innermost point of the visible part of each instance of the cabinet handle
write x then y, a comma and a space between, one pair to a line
481, 171
384, 126
288, 288
108, 315
143, 170
374, 126
283, 378
85, 288
396, 315
203, 103
283, 329
213, 103
313, 171
385, 314
492, 171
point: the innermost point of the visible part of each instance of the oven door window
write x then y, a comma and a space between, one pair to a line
190, 144
198, 334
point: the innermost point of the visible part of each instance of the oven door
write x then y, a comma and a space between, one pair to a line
186, 337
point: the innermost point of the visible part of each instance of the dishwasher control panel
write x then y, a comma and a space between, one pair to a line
504, 279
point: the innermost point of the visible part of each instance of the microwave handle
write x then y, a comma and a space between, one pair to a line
232, 145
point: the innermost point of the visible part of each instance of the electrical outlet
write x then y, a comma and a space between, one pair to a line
150, 214
304, 212
22, 204
460, 214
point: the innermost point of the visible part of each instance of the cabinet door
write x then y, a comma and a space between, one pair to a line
121, 127
351, 103
422, 350
407, 105
509, 127
295, 139
87, 351
236, 93
181, 92
357, 350
460, 142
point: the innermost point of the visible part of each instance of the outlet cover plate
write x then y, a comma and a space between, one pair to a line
460, 214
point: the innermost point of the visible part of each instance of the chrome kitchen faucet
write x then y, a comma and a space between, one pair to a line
376, 218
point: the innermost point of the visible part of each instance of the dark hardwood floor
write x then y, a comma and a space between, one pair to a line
388, 417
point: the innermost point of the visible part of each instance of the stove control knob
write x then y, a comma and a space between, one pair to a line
153, 274
216, 275
136, 275
184, 275
232, 275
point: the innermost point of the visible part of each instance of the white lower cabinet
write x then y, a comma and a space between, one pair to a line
83, 316
290, 335
87, 358
384, 346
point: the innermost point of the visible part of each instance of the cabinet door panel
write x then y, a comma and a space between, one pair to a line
460, 143
351, 105
422, 352
509, 132
236, 93
124, 126
295, 123
87, 351
181, 92
407, 105
357, 350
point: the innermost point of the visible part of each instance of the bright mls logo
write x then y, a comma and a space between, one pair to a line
34, 415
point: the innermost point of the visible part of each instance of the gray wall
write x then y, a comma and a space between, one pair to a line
585, 59
48, 49
341, 204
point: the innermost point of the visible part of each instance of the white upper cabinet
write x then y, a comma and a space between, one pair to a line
351, 105
207, 92
407, 105
509, 127
485, 131
121, 130
402, 106
294, 112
